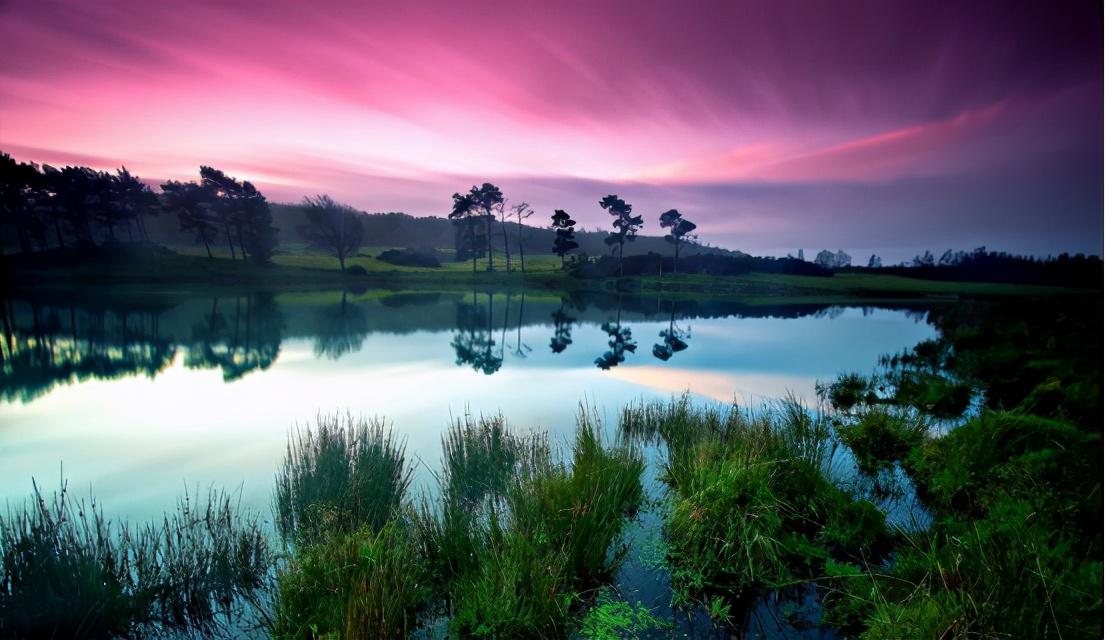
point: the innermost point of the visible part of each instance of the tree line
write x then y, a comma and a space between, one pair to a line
80, 207
474, 211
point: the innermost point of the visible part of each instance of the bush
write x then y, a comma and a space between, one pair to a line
411, 258
881, 436
356, 270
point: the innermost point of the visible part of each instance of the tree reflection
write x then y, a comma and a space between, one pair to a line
339, 329
46, 345
619, 339
243, 340
673, 339
562, 330
473, 342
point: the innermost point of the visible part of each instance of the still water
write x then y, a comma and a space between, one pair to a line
140, 397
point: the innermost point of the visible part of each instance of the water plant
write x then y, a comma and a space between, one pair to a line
66, 571
345, 474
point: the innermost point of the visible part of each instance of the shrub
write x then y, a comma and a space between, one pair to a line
356, 270
411, 258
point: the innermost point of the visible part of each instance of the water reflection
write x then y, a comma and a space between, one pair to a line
68, 338
674, 339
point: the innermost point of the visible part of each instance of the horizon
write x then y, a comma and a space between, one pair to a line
872, 128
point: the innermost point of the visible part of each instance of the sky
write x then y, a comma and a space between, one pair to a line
887, 127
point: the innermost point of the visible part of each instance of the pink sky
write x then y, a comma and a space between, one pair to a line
774, 125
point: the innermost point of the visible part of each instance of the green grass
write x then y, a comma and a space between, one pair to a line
752, 507
344, 475
67, 572
296, 266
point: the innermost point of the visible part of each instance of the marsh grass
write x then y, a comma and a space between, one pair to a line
520, 540
879, 436
66, 571
752, 504
345, 474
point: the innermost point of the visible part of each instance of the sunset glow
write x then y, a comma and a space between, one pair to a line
890, 126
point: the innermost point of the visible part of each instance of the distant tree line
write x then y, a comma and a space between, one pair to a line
981, 265
80, 207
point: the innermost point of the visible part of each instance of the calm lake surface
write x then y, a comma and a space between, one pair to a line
141, 397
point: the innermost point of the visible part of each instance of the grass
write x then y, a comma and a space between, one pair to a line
753, 509
296, 266
347, 474
67, 572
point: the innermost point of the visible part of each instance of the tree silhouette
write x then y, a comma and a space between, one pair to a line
625, 225
501, 210
678, 227
522, 211
565, 239
244, 214
485, 198
463, 215
193, 208
19, 182
133, 200
333, 227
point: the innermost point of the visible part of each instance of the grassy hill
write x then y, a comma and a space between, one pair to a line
402, 230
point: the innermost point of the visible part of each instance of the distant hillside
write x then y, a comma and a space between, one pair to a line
402, 230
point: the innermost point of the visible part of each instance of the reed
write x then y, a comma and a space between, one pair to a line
66, 571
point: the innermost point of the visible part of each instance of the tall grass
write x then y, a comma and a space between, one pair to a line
541, 534
66, 571
753, 508
346, 473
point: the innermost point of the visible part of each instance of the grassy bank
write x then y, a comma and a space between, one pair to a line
295, 268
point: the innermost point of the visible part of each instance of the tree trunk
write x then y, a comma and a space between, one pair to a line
620, 246
521, 253
207, 247
58, 233
488, 223
676, 260
506, 247
342, 261
230, 240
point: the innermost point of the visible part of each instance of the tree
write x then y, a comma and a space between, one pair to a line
522, 211
830, 260
189, 201
678, 227
501, 209
625, 225
463, 215
924, 260
565, 239
333, 227
485, 198
133, 200
875, 262
241, 208
801, 256
18, 183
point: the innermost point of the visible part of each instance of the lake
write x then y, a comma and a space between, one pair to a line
141, 396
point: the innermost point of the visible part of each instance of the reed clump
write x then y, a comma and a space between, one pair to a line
752, 506
66, 571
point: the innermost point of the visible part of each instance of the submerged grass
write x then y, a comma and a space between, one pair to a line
67, 572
